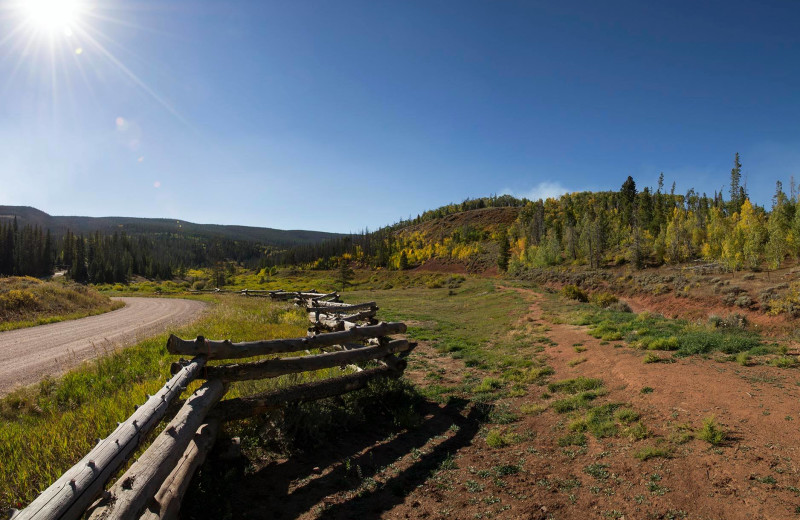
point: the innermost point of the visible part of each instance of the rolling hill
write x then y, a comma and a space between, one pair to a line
161, 226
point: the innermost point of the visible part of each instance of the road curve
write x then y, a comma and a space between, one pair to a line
28, 355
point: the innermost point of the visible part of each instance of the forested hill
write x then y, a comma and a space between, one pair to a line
643, 227
59, 225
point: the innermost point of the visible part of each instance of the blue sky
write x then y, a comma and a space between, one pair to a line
343, 115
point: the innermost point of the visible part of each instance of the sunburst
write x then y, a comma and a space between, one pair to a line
40, 35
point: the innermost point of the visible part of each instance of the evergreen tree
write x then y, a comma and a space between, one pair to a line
504, 254
735, 205
345, 272
403, 264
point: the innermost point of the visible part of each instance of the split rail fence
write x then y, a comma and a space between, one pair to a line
154, 485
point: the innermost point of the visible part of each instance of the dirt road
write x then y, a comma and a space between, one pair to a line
27, 355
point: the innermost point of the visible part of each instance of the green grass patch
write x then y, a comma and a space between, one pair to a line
654, 332
575, 402
652, 452
572, 439
575, 385
712, 432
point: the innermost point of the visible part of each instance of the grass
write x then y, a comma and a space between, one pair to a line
575, 385
712, 432
496, 438
652, 452
46, 428
27, 302
471, 324
649, 331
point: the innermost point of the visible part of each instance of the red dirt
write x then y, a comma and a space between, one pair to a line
399, 475
437, 265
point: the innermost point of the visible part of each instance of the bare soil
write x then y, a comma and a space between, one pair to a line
445, 469
28, 355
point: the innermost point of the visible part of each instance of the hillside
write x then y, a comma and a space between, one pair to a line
146, 226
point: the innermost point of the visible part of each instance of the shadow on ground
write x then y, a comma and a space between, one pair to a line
346, 466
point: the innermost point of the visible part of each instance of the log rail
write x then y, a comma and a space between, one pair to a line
154, 485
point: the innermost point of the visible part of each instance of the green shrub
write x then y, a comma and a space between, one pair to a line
651, 358
784, 362
670, 343
712, 432
743, 358
573, 292
603, 299
620, 306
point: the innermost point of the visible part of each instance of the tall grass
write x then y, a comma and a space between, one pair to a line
46, 428
26, 301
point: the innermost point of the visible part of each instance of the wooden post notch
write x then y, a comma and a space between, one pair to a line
69, 496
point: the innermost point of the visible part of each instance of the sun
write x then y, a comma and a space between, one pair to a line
52, 15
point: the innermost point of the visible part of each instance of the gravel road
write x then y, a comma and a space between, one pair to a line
28, 355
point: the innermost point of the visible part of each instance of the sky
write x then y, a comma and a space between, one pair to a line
346, 115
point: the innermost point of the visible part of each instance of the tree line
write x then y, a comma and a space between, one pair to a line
114, 258
653, 227
644, 228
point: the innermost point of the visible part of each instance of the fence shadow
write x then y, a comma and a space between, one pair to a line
355, 458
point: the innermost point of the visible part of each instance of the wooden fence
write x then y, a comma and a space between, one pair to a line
153, 486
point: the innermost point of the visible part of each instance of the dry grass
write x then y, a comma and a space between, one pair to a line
26, 302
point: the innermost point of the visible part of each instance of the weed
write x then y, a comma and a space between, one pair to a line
626, 415
597, 470
532, 409
576, 361
743, 358
576, 385
572, 439
651, 452
575, 402
712, 432
637, 432
497, 439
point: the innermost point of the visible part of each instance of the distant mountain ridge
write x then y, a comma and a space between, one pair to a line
59, 225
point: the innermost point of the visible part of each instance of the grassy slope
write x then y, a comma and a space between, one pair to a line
26, 302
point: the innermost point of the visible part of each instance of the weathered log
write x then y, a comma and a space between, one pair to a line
333, 321
326, 298
244, 407
129, 496
341, 309
80, 485
167, 502
280, 366
228, 350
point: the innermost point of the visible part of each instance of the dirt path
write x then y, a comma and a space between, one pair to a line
754, 475
446, 468
27, 355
